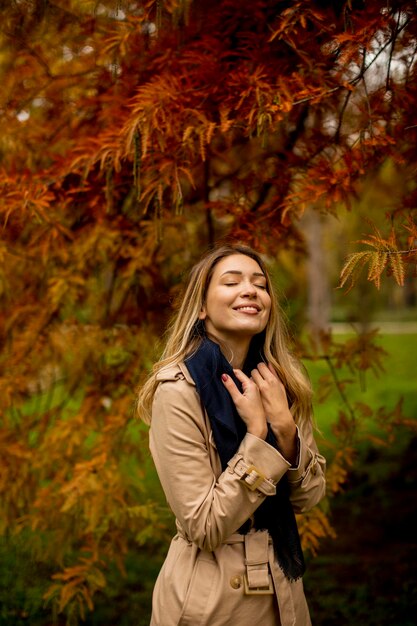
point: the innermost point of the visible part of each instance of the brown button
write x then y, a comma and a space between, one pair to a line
236, 582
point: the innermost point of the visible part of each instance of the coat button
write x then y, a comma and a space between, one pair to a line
236, 582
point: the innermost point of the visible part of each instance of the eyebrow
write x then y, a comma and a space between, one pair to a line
240, 273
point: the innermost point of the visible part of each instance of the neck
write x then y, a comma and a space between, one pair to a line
234, 351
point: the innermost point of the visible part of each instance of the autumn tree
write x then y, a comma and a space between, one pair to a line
133, 135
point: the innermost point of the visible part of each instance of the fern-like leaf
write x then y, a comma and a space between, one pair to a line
377, 263
397, 266
353, 266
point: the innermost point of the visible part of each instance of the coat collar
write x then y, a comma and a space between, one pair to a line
177, 371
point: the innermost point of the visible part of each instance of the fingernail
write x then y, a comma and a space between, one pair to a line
224, 377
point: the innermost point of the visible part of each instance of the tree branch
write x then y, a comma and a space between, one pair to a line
359, 76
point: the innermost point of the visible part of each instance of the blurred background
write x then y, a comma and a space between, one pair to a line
134, 136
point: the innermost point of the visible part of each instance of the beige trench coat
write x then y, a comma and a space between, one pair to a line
212, 575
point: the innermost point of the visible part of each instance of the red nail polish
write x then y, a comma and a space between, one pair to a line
224, 377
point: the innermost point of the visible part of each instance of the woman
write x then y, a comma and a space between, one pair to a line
231, 438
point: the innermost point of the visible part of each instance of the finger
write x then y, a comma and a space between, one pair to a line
231, 388
273, 370
241, 376
264, 370
245, 380
268, 372
257, 378
276, 375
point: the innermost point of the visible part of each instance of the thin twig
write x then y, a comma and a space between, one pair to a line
341, 116
394, 39
339, 387
365, 88
410, 251
380, 51
359, 76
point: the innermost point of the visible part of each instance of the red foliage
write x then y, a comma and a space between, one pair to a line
132, 135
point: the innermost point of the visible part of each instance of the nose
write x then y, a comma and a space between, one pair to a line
248, 290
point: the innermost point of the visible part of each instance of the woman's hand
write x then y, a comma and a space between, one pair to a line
274, 400
248, 404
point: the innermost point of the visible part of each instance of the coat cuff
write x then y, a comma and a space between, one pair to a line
305, 459
264, 457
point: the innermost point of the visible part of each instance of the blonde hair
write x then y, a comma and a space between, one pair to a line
183, 340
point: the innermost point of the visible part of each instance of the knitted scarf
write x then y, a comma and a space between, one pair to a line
275, 513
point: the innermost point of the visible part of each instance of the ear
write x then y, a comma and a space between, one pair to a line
203, 314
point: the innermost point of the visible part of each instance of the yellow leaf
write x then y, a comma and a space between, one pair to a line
397, 266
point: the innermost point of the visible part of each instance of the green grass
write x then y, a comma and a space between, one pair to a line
383, 390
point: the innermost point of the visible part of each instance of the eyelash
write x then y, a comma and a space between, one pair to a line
263, 287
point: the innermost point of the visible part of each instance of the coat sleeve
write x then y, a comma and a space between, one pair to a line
307, 480
208, 508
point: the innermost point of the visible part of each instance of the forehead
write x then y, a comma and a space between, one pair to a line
237, 263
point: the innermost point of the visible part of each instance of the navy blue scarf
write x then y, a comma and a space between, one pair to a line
275, 514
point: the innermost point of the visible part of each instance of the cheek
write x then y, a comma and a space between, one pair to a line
267, 301
215, 300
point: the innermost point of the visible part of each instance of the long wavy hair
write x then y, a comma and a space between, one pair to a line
183, 340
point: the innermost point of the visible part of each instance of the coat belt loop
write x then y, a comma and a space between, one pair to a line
257, 578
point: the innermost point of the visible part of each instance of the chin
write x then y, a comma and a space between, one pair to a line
248, 330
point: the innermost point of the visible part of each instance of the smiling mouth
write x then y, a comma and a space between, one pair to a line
248, 309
